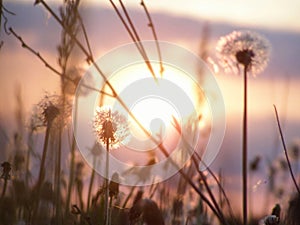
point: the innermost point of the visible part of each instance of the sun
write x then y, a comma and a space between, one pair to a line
155, 103
155, 114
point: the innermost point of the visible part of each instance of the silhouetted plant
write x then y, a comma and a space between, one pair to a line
293, 216
251, 51
111, 130
145, 211
6, 169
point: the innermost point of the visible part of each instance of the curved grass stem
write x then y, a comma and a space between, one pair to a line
285, 150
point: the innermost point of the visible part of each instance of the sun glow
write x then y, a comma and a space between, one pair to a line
154, 114
154, 103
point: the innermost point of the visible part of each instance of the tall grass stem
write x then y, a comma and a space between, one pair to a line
285, 150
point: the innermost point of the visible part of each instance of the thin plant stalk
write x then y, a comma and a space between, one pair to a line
30, 144
208, 189
244, 157
221, 188
72, 163
71, 177
134, 35
220, 179
151, 25
58, 178
196, 159
91, 185
154, 189
128, 197
42, 166
42, 170
285, 150
4, 188
110, 210
107, 184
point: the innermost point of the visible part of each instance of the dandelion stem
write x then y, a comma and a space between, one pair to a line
244, 159
107, 184
72, 163
91, 185
58, 179
42, 166
41, 171
285, 150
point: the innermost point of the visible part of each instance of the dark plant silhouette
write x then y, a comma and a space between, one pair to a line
251, 51
6, 168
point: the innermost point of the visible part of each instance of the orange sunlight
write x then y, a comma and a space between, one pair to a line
156, 107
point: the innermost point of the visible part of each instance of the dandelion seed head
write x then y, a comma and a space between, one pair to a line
245, 48
110, 125
52, 109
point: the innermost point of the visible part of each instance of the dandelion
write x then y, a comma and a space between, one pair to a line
245, 48
111, 130
110, 126
53, 111
251, 51
47, 111
49, 107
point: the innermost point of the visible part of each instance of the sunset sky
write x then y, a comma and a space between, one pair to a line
275, 14
279, 14
179, 22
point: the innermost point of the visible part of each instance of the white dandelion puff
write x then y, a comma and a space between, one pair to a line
111, 126
245, 48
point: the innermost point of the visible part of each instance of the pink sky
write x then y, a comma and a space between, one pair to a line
182, 27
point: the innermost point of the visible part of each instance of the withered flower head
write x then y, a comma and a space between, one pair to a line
243, 48
6, 168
